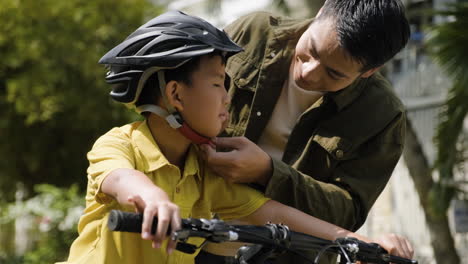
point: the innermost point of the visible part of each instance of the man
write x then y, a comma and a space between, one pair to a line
329, 128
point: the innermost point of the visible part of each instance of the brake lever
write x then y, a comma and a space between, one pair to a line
214, 230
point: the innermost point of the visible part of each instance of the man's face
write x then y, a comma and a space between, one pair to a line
320, 64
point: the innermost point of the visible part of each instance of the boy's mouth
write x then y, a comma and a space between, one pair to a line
224, 116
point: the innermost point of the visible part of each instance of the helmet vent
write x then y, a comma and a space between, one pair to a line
119, 87
194, 30
162, 25
167, 46
135, 47
175, 33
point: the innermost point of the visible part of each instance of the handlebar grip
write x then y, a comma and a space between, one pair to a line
128, 222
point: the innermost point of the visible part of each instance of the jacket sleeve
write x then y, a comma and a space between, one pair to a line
356, 183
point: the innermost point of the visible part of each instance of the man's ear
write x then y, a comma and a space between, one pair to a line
173, 91
369, 73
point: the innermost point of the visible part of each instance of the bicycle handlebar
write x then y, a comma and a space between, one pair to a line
270, 235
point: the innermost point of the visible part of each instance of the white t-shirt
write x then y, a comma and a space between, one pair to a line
292, 102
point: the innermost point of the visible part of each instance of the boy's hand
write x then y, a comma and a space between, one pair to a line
396, 245
157, 204
245, 163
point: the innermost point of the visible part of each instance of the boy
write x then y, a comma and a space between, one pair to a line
153, 165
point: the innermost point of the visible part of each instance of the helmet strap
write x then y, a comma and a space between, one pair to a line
176, 121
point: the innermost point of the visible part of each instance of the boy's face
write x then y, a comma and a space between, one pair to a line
319, 63
205, 100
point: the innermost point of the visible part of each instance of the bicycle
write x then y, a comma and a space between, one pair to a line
267, 240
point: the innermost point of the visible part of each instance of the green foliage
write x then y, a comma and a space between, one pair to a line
283, 6
53, 98
448, 44
54, 213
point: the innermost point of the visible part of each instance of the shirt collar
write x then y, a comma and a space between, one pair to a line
153, 157
347, 95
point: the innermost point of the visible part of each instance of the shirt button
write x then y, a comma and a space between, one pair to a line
242, 81
259, 113
272, 55
339, 153
177, 190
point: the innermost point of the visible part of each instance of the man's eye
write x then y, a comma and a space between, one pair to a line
333, 75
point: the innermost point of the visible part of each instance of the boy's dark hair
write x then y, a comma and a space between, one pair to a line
371, 31
151, 91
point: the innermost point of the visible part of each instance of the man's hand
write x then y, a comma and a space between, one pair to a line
245, 163
396, 245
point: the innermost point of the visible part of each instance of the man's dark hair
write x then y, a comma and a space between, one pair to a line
151, 92
370, 31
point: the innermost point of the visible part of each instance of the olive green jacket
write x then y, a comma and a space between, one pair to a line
342, 150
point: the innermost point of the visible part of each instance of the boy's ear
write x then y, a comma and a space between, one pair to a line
369, 73
173, 91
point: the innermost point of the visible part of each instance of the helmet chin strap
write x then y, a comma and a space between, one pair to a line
176, 122
173, 118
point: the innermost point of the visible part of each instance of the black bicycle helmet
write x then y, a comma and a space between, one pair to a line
165, 42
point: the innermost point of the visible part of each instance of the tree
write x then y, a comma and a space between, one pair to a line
53, 98
447, 44
441, 239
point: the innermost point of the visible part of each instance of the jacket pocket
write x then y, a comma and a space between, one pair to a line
337, 147
322, 155
243, 72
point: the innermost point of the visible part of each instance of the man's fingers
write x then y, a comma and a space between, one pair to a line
402, 246
397, 245
230, 142
410, 248
219, 158
405, 245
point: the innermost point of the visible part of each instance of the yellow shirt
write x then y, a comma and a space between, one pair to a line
197, 191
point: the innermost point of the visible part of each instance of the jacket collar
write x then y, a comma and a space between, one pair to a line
347, 95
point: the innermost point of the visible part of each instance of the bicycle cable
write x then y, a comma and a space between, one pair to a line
344, 252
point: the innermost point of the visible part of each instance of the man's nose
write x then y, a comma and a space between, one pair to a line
311, 70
